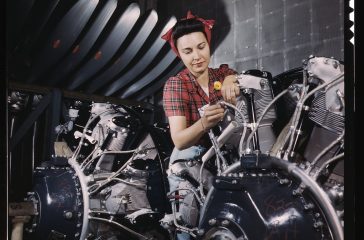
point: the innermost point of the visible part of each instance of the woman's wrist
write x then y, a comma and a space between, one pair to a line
230, 80
204, 129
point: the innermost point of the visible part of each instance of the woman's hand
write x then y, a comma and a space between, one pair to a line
230, 89
184, 137
212, 115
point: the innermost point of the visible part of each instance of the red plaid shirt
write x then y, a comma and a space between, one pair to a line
183, 96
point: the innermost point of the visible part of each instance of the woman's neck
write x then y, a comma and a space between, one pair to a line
203, 79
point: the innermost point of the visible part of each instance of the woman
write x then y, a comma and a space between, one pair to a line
191, 89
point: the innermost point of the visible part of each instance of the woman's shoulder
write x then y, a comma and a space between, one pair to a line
179, 77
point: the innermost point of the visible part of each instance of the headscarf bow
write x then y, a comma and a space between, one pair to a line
208, 24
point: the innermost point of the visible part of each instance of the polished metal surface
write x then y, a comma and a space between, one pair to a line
109, 48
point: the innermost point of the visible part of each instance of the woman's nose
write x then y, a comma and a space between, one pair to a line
196, 55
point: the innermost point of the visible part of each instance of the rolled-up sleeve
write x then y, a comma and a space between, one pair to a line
224, 71
174, 98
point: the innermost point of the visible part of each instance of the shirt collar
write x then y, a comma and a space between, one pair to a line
195, 87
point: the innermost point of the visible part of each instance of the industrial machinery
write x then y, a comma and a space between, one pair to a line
106, 179
276, 168
278, 175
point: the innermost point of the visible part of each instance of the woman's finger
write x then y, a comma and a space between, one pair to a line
214, 112
215, 118
228, 95
223, 92
237, 90
233, 96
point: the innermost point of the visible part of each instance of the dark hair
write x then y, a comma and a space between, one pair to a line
187, 26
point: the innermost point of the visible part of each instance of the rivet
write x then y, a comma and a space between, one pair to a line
225, 223
212, 221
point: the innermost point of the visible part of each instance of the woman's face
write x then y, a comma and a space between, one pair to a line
194, 51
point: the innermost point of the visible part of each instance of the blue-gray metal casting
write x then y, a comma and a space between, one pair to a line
60, 204
267, 162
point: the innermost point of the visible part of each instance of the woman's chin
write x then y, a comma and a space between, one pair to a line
199, 70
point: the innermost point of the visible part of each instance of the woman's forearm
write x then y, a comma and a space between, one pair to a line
189, 136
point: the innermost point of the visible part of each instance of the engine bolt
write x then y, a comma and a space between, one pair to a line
68, 215
283, 181
225, 223
297, 191
318, 224
212, 221
308, 206
200, 232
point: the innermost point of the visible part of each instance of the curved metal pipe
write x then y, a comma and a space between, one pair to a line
85, 195
324, 151
325, 164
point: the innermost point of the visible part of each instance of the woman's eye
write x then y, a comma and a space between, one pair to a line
201, 46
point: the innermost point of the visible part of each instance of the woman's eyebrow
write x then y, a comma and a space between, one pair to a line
186, 48
190, 48
197, 45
